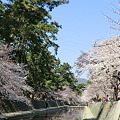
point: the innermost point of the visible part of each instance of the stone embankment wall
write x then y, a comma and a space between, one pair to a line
102, 111
8, 106
15, 109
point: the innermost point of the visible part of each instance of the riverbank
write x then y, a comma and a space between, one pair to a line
102, 111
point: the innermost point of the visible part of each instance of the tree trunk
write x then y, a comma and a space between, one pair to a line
115, 93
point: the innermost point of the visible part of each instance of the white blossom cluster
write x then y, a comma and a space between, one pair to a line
103, 65
13, 79
68, 95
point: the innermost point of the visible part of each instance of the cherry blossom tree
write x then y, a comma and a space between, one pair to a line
68, 95
12, 78
103, 64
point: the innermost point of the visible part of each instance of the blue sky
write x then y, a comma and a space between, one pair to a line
83, 22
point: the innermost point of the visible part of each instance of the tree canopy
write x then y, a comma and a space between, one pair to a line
27, 27
102, 63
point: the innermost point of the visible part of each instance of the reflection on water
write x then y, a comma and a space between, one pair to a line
73, 114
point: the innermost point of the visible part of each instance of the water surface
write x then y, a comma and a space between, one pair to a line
71, 114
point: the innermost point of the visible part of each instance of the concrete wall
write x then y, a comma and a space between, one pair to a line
102, 111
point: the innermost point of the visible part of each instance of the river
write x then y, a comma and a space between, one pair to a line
70, 114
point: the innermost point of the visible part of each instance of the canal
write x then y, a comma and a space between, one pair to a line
68, 114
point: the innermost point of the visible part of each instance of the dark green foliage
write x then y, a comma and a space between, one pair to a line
27, 27
80, 87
